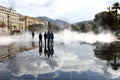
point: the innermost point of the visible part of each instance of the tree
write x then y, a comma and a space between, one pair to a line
2, 25
116, 7
109, 20
36, 27
53, 27
14, 26
95, 28
83, 27
106, 20
74, 28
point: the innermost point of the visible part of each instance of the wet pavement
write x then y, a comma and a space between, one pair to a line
71, 61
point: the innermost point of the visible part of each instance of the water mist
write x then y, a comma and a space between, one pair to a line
68, 36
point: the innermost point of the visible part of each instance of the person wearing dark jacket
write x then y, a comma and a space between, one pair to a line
52, 36
48, 37
40, 38
33, 34
45, 37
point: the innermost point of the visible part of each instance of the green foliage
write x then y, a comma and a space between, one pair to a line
53, 27
83, 28
109, 20
116, 7
14, 26
2, 24
105, 19
74, 28
36, 27
94, 28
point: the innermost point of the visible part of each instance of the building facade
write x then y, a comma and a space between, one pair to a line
9, 17
15, 21
31, 21
22, 22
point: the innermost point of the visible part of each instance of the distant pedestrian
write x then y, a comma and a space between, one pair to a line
33, 34
45, 37
52, 36
40, 38
48, 37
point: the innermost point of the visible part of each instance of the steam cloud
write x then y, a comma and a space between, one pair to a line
68, 36
65, 36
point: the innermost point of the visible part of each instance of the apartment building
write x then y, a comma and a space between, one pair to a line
9, 17
31, 20
16, 21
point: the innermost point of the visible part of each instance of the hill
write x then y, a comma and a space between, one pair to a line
57, 22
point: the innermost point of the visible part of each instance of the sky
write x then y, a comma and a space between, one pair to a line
68, 10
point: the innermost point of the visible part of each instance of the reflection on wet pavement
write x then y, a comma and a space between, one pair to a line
72, 61
110, 53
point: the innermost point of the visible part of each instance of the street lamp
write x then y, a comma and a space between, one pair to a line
8, 18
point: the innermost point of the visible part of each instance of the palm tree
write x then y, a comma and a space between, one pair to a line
116, 7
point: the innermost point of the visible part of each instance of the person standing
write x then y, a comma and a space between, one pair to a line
52, 36
48, 37
33, 34
40, 38
45, 37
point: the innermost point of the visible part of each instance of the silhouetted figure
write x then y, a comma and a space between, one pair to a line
52, 36
45, 37
33, 34
48, 38
40, 38
40, 49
